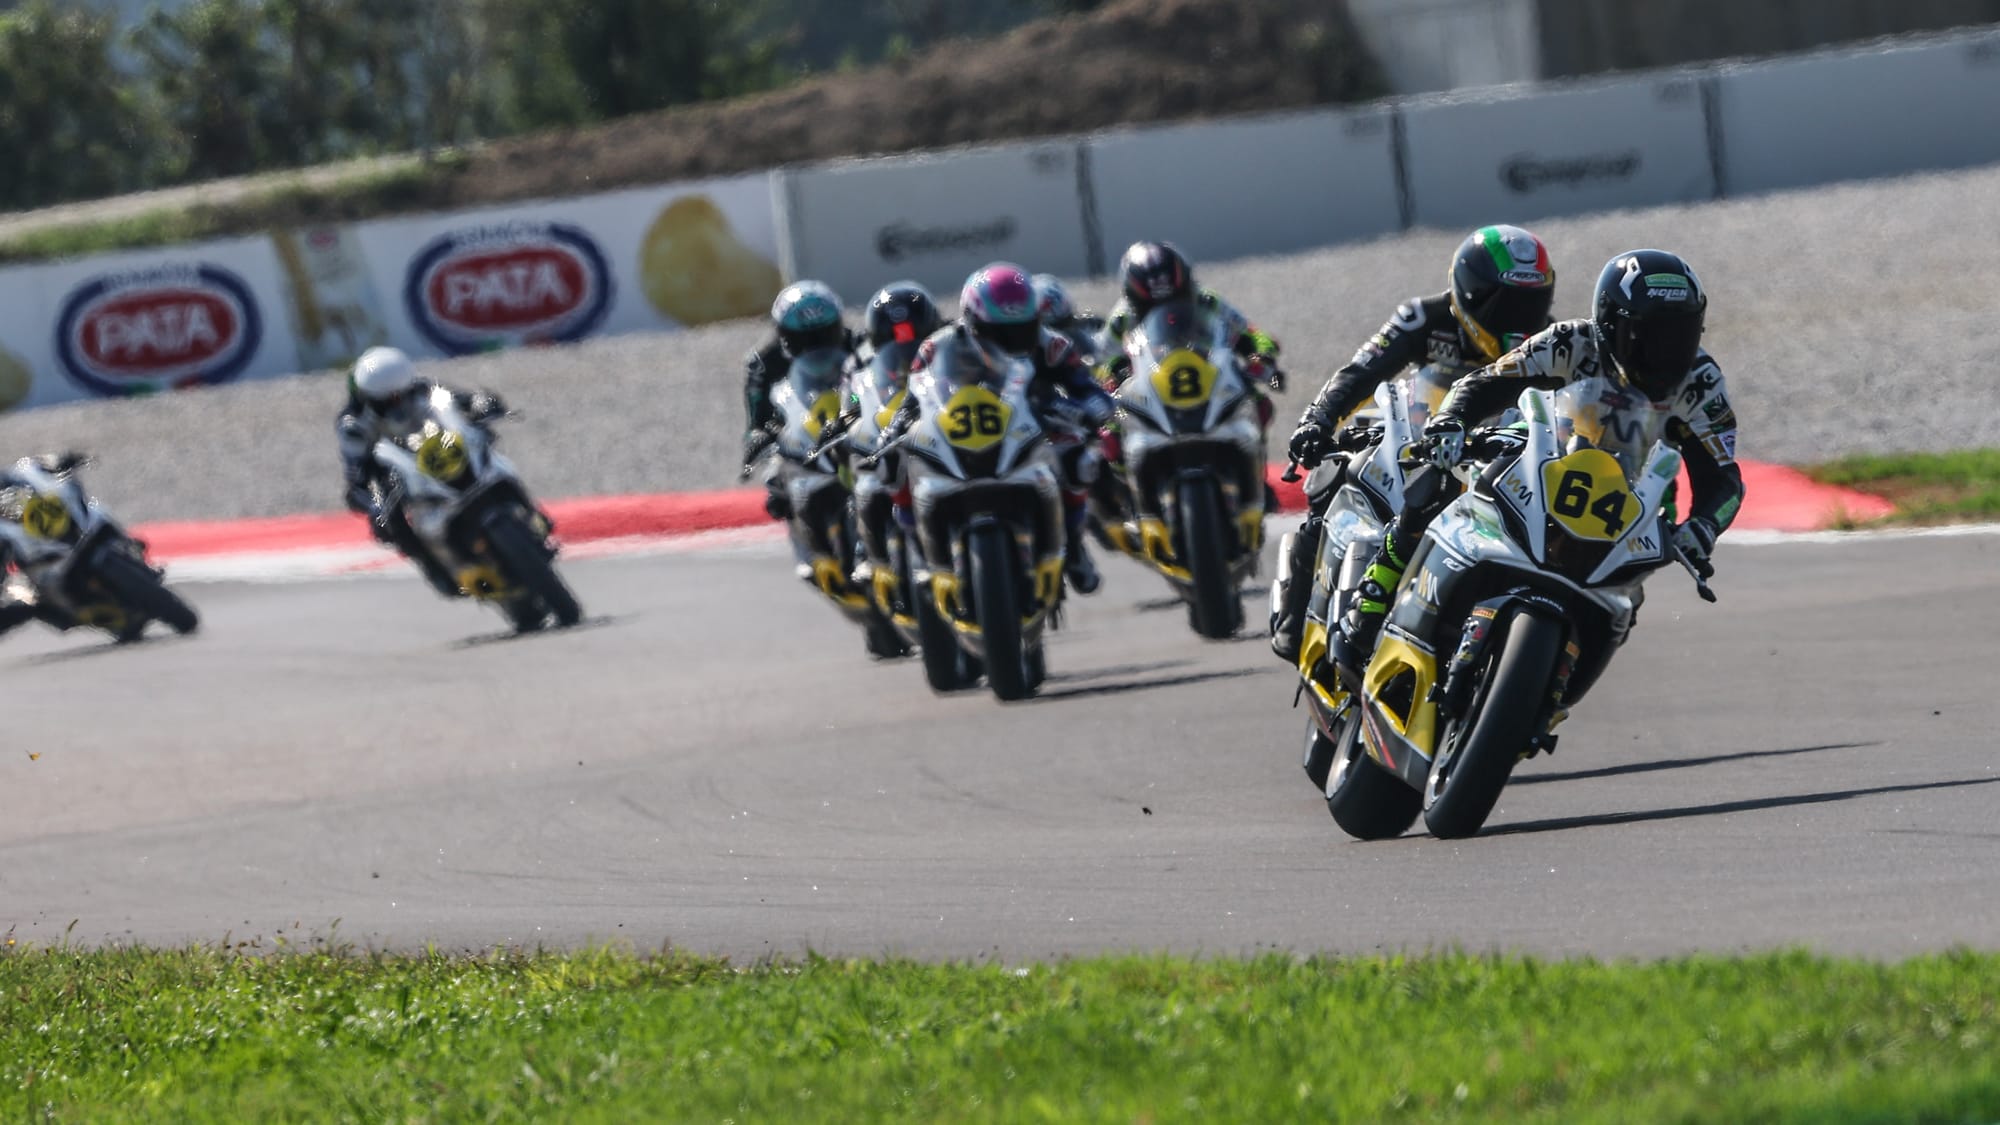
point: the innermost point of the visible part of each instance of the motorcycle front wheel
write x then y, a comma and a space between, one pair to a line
135, 587
1478, 751
1367, 801
1216, 610
521, 555
996, 592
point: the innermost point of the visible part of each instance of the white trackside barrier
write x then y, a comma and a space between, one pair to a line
1933, 103
1523, 155
857, 224
1232, 189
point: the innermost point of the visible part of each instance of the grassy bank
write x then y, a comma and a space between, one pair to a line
1927, 488
606, 1036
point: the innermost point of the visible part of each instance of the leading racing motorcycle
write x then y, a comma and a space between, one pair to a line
469, 509
811, 472
989, 521
1192, 464
1511, 608
76, 563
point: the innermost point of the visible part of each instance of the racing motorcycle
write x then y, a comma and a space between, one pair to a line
879, 388
470, 510
1510, 609
825, 537
75, 562
1191, 501
988, 576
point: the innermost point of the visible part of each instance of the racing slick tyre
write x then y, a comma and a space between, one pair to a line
135, 587
996, 593
1479, 749
945, 664
524, 560
884, 643
1215, 611
1367, 801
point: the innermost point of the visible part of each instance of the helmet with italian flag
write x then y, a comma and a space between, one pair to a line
1502, 287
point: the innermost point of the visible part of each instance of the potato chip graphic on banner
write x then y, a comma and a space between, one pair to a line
697, 271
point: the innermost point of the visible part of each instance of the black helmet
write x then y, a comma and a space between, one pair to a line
1153, 272
1502, 286
1648, 310
901, 312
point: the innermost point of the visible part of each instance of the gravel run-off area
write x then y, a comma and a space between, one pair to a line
1853, 318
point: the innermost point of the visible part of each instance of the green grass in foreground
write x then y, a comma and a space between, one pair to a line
606, 1036
1927, 488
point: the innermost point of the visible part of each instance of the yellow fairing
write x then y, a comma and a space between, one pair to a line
1184, 379
832, 582
825, 409
888, 412
944, 591
45, 517
1250, 526
975, 418
1394, 657
441, 456
1588, 495
483, 582
884, 582
1048, 583
1311, 651
1159, 547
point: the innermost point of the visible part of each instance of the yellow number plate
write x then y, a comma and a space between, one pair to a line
975, 418
442, 456
825, 409
1184, 380
888, 412
1588, 495
45, 517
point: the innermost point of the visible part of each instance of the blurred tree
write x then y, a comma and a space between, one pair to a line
219, 69
71, 127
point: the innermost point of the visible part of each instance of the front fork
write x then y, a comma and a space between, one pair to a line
1454, 690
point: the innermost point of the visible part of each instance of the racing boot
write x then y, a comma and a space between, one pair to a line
1354, 643
392, 528
1289, 627
13, 615
777, 504
1078, 568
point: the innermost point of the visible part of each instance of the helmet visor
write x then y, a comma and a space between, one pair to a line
1510, 315
1014, 339
798, 342
1656, 354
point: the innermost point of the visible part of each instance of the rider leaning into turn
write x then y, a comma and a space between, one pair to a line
805, 317
900, 317
1641, 348
1154, 273
998, 308
1502, 287
386, 399
14, 613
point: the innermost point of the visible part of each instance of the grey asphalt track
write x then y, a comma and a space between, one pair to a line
714, 763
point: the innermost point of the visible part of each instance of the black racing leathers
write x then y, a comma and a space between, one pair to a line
359, 428
1422, 333
763, 369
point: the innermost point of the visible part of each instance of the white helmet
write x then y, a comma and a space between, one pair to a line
384, 378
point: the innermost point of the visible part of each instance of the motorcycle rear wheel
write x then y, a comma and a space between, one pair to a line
136, 588
996, 592
1474, 761
1216, 608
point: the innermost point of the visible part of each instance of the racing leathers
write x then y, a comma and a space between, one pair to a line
369, 489
1069, 403
763, 369
14, 613
1696, 419
1422, 334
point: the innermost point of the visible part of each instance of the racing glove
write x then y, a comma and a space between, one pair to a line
1696, 540
1310, 444
484, 406
1447, 441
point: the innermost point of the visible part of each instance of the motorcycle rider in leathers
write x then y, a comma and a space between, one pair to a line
1154, 273
997, 309
806, 316
900, 317
386, 399
14, 613
1639, 357
1502, 287
1058, 313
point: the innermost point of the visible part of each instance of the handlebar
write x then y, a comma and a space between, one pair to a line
1701, 572
1291, 473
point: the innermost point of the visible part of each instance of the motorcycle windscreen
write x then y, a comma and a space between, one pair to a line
1598, 413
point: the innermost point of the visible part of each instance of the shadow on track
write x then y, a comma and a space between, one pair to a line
1161, 605
1120, 687
483, 639
1604, 820
1681, 763
105, 647
1116, 670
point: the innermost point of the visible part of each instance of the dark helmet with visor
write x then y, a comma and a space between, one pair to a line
1648, 309
1502, 287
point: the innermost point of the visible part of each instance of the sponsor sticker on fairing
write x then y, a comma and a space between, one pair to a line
489, 287
171, 326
